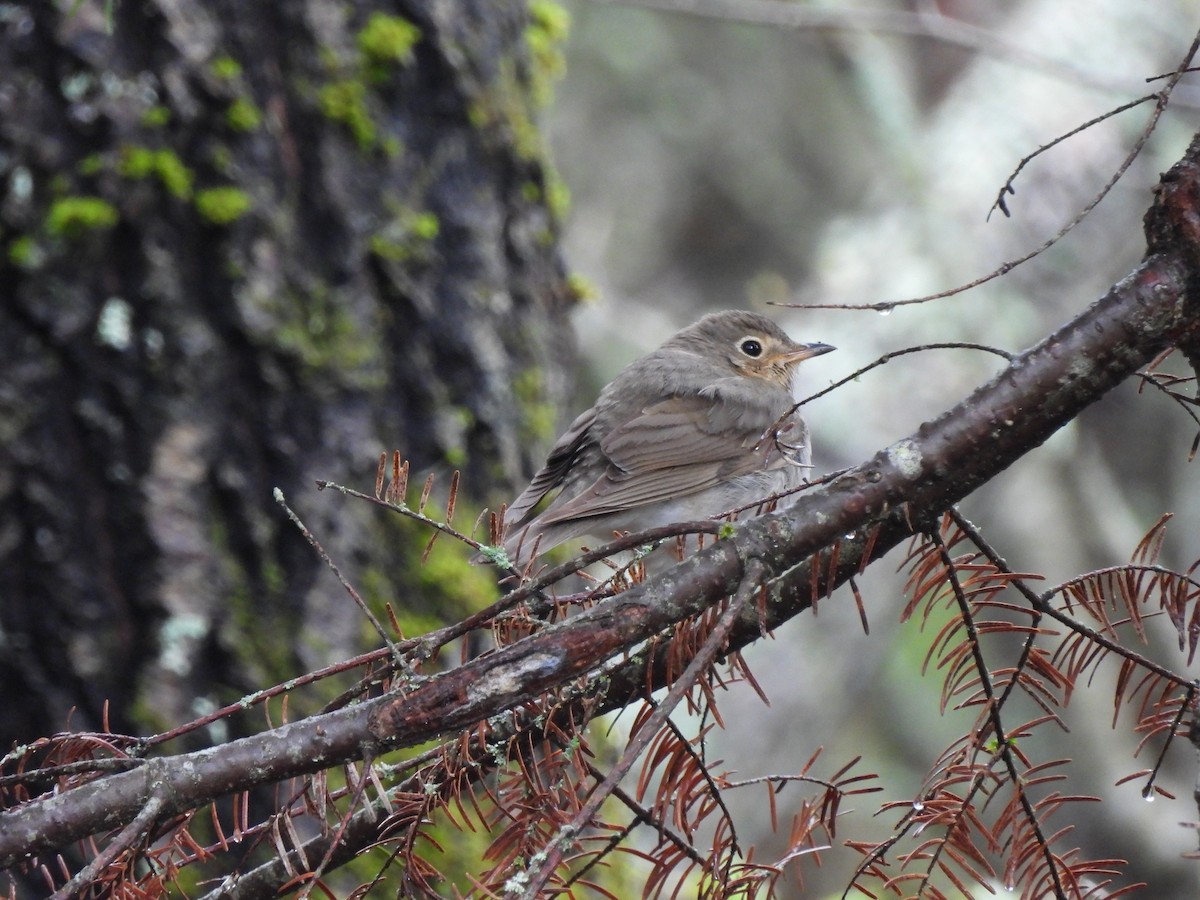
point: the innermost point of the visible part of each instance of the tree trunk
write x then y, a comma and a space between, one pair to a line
245, 246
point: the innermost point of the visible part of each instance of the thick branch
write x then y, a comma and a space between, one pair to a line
910, 481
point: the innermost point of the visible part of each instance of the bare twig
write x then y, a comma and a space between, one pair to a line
1161, 99
1004, 750
714, 643
129, 835
349, 588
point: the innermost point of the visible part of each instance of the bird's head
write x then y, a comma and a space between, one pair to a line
750, 344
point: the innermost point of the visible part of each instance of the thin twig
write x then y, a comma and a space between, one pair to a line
1161, 100
1004, 750
131, 833
895, 354
90, 766
354, 595
708, 652
1008, 189
1185, 704
268, 693
1041, 602
641, 815
343, 823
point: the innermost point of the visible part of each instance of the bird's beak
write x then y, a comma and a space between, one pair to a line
805, 351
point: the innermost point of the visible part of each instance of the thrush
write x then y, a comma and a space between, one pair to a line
698, 427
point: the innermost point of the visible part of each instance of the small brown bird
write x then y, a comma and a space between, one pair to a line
678, 435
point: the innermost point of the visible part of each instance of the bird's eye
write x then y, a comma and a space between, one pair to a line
751, 348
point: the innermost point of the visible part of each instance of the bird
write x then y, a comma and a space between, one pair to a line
697, 427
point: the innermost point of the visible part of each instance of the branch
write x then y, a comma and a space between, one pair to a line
909, 482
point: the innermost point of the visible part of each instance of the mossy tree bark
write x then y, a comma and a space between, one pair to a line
244, 246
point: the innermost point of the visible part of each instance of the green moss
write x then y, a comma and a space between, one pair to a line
550, 19
541, 417
243, 115
385, 42
558, 195
273, 576
425, 226
148, 714
545, 36
226, 68
221, 158
447, 582
378, 589
164, 165
407, 236
156, 116
317, 329
504, 104
73, 217
256, 615
222, 205
392, 147
445, 587
507, 103
345, 102
90, 165
26, 253
385, 248
174, 175
581, 288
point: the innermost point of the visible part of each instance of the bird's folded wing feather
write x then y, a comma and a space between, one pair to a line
673, 448
551, 475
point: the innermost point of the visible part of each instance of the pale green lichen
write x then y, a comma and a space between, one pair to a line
496, 556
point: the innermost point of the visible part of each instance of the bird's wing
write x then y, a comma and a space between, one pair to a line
562, 455
673, 448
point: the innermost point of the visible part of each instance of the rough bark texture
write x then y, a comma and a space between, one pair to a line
379, 272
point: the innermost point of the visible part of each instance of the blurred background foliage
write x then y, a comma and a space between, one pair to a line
712, 162
715, 162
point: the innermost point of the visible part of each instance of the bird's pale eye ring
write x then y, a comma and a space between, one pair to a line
751, 347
